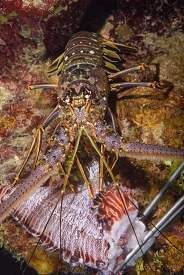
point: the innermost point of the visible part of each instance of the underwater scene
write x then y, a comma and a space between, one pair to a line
91, 137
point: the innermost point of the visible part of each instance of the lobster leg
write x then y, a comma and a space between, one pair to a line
64, 173
71, 161
88, 183
37, 139
102, 159
42, 86
101, 169
141, 67
116, 87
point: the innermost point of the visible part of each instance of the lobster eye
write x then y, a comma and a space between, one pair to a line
86, 93
67, 99
87, 96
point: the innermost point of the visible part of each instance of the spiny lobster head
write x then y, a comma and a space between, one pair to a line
77, 95
79, 85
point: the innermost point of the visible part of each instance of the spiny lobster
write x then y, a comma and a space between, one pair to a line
86, 74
